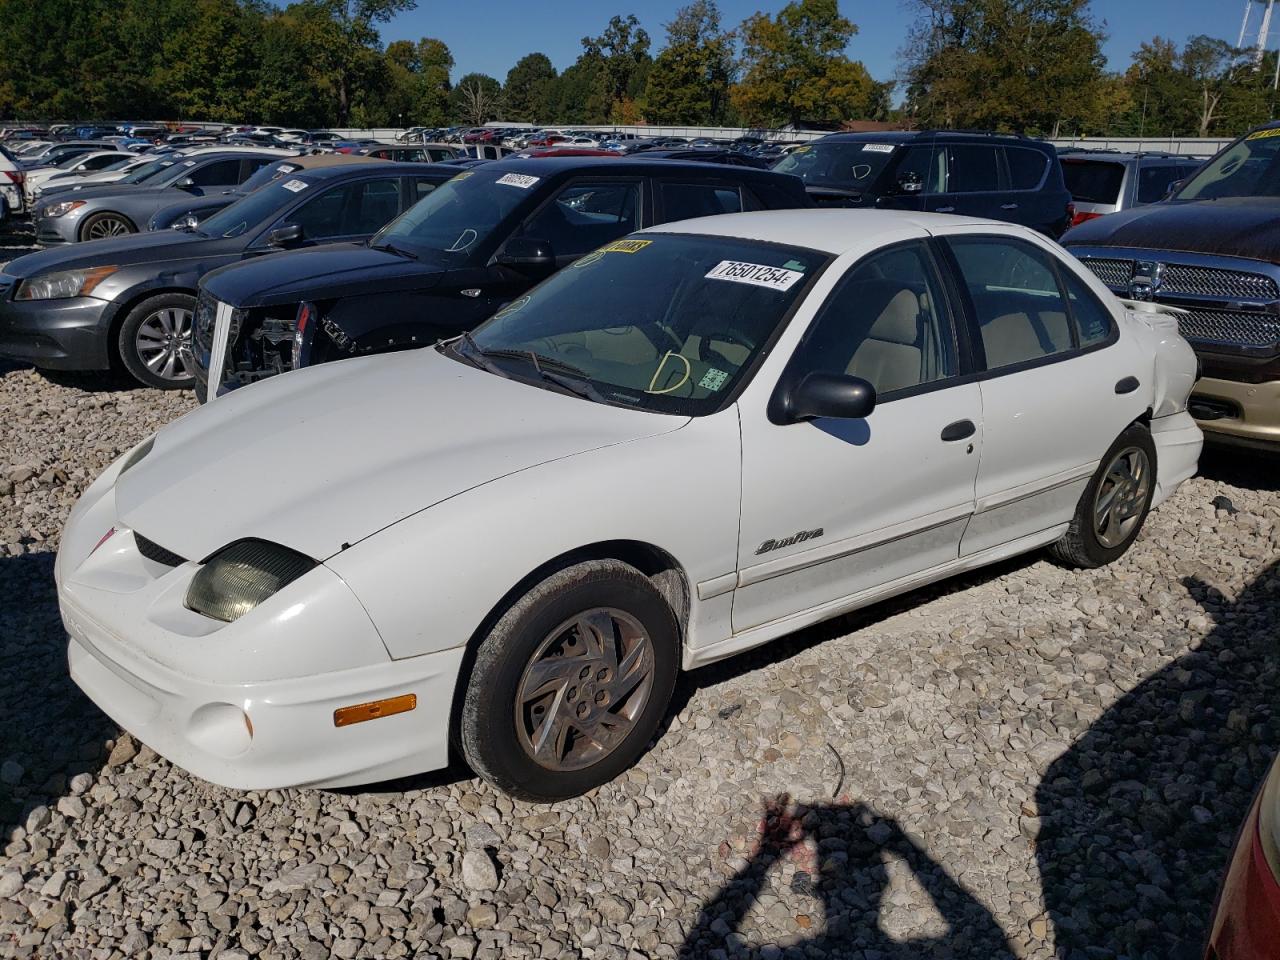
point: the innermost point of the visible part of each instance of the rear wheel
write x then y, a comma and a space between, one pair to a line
154, 342
571, 682
1114, 505
103, 225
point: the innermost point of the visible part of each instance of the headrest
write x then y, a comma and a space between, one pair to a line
899, 321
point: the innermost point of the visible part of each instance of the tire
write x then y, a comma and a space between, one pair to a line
537, 750
1107, 522
103, 225
154, 342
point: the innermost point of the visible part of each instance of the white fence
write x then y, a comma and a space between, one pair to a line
1184, 146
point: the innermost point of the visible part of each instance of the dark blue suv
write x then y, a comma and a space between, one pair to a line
997, 176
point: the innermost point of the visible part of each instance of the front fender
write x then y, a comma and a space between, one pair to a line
432, 579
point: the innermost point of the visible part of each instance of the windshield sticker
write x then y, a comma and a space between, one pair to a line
464, 174
755, 274
877, 148
521, 180
295, 186
627, 246
802, 149
793, 265
713, 379
1264, 134
515, 306
188, 163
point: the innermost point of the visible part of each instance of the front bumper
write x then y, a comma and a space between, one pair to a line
1241, 414
1178, 442
289, 738
52, 231
70, 334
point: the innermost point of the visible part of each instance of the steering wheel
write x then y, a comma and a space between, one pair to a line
724, 335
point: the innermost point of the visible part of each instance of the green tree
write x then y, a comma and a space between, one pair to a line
1004, 64
795, 68
575, 95
529, 88
476, 99
209, 67
417, 85
690, 79
620, 59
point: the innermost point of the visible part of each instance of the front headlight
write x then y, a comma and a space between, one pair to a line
63, 208
239, 577
64, 284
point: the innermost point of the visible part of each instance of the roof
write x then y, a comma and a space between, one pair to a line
363, 164
632, 163
832, 231
1122, 156
320, 160
909, 136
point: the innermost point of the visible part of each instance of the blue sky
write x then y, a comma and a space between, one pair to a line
491, 35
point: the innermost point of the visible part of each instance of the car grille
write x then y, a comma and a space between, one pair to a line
1186, 280
153, 551
1223, 326
1114, 273
1212, 282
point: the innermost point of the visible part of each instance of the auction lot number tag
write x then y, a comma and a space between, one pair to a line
756, 274
295, 186
521, 180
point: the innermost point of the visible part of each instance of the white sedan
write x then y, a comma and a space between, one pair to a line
689, 443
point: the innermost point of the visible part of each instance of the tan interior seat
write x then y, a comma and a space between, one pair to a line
890, 358
1015, 336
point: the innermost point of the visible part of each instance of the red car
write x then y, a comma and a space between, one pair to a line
1246, 918
568, 152
546, 139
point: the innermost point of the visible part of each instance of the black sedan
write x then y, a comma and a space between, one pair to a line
130, 300
451, 261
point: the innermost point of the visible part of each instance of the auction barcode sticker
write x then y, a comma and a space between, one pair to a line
295, 186
521, 180
877, 148
756, 274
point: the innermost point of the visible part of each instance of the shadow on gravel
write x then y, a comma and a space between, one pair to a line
48, 729
842, 853
1138, 816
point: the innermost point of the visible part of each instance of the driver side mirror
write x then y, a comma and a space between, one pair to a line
289, 235
911, 183
528, 255
186, 183
819, 395
1173, 188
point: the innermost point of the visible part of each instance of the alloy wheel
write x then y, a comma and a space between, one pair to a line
105, 227
1121, 496
585, 686
163, 343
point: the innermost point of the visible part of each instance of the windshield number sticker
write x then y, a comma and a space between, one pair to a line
188, 163
627, 246
713, 379
295, 186
755, 274
1264, 134
521, 180
877, 148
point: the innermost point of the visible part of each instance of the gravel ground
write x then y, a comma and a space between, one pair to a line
1029, 762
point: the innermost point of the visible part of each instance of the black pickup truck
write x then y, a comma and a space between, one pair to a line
452, 260
1212, 249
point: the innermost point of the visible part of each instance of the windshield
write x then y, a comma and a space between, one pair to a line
458, 216
147, 170
247, 212
662, 322
1250, 167
266, 174
844, 164
1093, 181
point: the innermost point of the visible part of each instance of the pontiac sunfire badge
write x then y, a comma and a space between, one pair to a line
800, 537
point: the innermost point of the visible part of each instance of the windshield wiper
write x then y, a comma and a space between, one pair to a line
476, 355
578, 382
389, 248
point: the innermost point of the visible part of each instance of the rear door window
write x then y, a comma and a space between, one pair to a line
353, 209
584, 216
1153, 181
220, 173
1026, 167
972, 169
684, 201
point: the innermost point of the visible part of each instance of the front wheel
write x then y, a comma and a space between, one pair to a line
154, 343
1114, 505
570, 684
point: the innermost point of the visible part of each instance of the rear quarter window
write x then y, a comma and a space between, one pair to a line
1026, 167
1093, 181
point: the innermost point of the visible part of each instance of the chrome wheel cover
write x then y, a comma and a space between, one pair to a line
584, 688
107, 227
163, 343
1121, 496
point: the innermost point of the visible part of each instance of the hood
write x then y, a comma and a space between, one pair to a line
318, 273
97, 190
331, 454
1234, 227
119, 251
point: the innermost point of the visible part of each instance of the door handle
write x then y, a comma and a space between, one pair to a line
1127, 385
958, 430
944, 209
1008, 206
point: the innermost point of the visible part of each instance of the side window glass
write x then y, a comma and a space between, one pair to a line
1153, 182
885, 323
221, 173
375, 204
584, 216
322, 216
684, 201
1026, 167
918, 163
1015, 294
1092, 319
972, 169
421, 187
